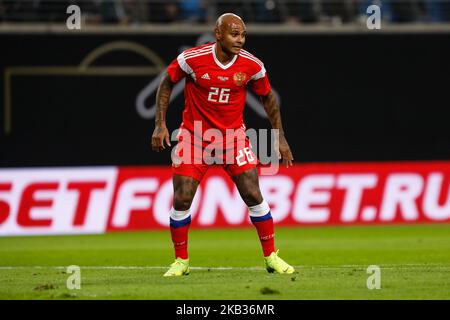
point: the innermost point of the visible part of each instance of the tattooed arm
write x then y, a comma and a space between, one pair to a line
161, 134
273, 112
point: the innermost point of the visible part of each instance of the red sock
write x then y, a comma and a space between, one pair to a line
265, 233
180, 241
179, 231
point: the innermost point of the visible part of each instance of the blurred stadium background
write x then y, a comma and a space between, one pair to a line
131, 12
365, 112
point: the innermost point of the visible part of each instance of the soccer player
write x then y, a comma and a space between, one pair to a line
217, 76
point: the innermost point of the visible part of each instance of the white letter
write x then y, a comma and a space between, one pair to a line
402, 190
128, 201
355, 184
374, 21
74, 281
271, 159
197, 141
374, 281
215, 147
73, 21
431, 205
218, 196
307, 196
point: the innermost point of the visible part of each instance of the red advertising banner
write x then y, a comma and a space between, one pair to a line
102, 199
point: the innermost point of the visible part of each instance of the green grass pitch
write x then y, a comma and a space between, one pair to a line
227, 264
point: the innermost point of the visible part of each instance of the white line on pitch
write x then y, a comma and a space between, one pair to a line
127, 267
385, 266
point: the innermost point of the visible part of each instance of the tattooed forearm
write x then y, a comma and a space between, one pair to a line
162, 99
273, 111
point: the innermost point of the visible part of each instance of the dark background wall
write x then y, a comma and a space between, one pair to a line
348, 97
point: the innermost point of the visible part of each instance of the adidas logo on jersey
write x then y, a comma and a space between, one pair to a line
206, 76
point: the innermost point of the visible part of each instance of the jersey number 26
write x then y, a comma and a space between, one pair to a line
219, 95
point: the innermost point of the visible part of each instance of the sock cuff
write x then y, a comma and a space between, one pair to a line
179, 215
261, 218
179, 218
259, 210
182, 223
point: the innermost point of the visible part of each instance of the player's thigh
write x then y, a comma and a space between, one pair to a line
247, 183
184, 188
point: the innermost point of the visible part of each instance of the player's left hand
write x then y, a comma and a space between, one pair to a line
285, 153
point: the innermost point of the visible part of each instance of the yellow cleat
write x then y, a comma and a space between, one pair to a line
275, 264
179, 268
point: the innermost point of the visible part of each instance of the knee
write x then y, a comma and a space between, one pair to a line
182, 200
252, 197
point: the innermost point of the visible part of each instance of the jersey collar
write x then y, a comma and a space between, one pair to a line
226, 66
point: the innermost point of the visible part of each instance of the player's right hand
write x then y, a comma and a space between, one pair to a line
160, 135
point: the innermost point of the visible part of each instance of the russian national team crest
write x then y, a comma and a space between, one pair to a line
239, 78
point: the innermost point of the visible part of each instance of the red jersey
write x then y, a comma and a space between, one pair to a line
215, 93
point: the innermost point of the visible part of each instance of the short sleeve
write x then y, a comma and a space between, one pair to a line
261, 85
175, 72
179, 68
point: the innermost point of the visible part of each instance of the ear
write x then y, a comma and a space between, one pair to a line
217, 33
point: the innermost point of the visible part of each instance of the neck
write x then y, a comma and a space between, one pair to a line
221, 55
